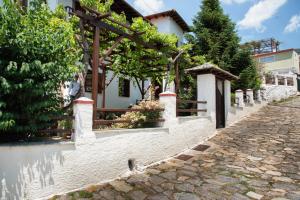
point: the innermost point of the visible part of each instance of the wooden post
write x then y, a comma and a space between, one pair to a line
95, 71
103, 85
143, 88
177, 80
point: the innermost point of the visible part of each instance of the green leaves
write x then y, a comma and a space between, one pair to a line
38, 52
215, 37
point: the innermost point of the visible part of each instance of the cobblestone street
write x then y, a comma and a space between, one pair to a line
256, 158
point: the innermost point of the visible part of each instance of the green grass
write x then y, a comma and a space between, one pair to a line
85, 194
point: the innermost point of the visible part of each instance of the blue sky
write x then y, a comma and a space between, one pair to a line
255, 19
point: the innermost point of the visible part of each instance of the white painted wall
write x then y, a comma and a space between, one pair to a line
206, 84
113, 100
278, 92
169, 26
236, 114
39, 170
53, 3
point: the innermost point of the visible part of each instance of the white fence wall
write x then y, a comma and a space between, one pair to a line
278, 92
33, 171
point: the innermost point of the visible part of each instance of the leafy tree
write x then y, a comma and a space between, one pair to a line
215, 37
133, 60
37, 54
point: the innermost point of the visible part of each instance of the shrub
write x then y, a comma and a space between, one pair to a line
38, 53
139, 119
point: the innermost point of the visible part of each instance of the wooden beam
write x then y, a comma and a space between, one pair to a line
104, 25
95, 71
109, 51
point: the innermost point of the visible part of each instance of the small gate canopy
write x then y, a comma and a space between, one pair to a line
209, 68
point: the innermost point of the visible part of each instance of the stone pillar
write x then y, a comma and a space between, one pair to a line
276, 79
168, 100
249, 94
295, 82
263, 80
206, 91
258, 94
83, 125
239, 95
227, 90
285, 81
263, 94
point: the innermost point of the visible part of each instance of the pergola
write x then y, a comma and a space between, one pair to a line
102, 23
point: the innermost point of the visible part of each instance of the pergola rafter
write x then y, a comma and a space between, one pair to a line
102, 24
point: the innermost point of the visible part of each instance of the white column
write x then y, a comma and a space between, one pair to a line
249, 94
227, 88
263, 80
295, 83
258, 94
83, 125
276, 79
285, 81
263, 94
239, 95
168, 100
206, 91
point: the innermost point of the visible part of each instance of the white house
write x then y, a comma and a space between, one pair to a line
169, 22
121, 93
281, 62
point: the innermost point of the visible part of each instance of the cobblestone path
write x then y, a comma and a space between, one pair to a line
257, 158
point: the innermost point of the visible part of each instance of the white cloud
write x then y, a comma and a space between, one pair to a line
293, 24
260, 12
149, 6
234, 1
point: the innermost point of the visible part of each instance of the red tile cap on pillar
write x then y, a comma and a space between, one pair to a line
83, 100
167, 94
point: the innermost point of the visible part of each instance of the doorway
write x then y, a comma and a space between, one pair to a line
220, 103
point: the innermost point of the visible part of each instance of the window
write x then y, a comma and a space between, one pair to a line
290, 81
267, 59
124, 87
88, 82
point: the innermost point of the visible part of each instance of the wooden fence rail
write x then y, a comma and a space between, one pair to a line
191, 110
109, 122
99, 122
128, 110
191, 101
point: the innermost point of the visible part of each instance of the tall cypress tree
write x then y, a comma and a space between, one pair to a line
215, 34
215, 37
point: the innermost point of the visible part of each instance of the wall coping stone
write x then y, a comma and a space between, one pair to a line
167, 94
107, 133
83, 100
36, 143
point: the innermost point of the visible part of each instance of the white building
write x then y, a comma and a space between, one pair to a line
121, 93
169, 22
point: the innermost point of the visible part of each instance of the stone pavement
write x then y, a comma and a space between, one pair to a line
257, 158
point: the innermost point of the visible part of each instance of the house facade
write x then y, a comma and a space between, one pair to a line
123, 92
280, 62
169, 22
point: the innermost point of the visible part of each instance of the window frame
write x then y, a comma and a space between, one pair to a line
272, 56
124, 87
